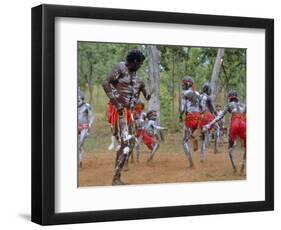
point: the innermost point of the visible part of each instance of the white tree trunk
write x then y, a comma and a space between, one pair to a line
216, 72
154, 78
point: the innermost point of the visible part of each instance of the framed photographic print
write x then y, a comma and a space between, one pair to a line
144, 114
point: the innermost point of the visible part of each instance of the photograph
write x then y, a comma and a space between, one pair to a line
143, 114
154, 114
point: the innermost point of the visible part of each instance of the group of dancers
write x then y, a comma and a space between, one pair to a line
131, 125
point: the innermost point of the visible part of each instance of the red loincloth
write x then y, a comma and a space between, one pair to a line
238, 127
192, 120
112, 115
147, 139
206, 118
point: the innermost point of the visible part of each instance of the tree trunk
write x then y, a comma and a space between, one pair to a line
90, 87
216, 72
173, 87
154, 79
90, 84
186, 57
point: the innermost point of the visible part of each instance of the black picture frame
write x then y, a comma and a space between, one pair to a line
43, 114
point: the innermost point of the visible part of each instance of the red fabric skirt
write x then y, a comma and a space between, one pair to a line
192, 120
110, 111
112, 115
238, 128
206, 118
147, 139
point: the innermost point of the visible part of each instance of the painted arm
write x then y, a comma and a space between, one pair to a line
218, 118
182, 106
158, 127
108, 86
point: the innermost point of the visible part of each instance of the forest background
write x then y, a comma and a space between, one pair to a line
162, 71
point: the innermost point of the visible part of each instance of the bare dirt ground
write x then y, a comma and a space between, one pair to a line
169, 165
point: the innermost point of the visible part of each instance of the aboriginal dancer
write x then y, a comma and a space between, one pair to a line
208, 113
237, 126
85, 122
189, 107
150, 133
120, 87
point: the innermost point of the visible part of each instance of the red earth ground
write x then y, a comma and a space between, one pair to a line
169, 165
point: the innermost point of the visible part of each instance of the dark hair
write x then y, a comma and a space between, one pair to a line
206, 88
188, 79
232, 95
135, 55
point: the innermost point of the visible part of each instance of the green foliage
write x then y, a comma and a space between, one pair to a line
233, 74
95, 61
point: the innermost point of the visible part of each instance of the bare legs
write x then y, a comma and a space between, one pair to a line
82, 138
203, 146
243, 162
114, 137
138, 143
187, 135
127, 143
153, 151
217, 138
231, 149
